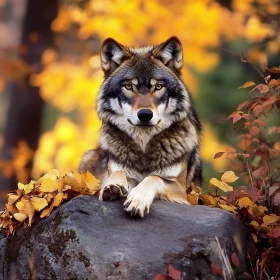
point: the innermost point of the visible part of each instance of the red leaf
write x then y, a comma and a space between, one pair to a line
267, 108
270, 100
236, 118
276, 199
216, 269
262, 88
259, 122
261, 173
242, 104
257, 109
173, 273
245, 143
254, 131
274, 70
231, 153
235, 260
273, 83
273, 153
275, 232
160, 277
219, 154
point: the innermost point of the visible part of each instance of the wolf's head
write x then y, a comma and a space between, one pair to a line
142, 89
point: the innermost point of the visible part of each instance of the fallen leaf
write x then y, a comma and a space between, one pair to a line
160, 277
38, 203
192, 199
207, 199
216, 269
275, 232
53, 175
24, 206
245, 202
48, 185
20, 217
173, 273
221, 185
270, 219
235, 260
255, 238
12, 198
230, 208
27, 188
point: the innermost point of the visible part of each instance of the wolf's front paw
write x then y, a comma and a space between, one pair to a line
138, 202
112, 192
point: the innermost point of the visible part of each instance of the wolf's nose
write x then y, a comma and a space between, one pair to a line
145, 115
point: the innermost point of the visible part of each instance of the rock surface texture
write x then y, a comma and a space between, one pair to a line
90, 239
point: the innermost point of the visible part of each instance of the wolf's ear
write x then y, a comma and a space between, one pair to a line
112, 55
170, 53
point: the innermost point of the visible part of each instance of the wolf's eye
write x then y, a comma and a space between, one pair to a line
128, 86
158, 86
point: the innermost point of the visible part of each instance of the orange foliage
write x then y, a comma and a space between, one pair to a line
71, 85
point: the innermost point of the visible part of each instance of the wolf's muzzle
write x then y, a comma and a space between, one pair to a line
145, 115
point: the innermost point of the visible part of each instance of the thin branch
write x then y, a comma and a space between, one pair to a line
244, 59
249, 170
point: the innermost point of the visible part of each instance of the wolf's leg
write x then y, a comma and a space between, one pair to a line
141, 197
116, 187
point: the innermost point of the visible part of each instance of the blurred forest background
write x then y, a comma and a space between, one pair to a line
50, 71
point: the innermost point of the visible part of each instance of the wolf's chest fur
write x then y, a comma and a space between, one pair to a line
165, 149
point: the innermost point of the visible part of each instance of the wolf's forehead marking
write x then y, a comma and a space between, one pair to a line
134, 81
153, 81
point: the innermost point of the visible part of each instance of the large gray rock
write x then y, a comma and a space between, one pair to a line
89, 239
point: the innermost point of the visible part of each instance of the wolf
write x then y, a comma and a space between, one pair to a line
150, 135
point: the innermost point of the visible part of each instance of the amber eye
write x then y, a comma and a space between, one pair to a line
158, 86
128, 86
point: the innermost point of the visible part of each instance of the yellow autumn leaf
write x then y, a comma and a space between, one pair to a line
24, 206
229, 177
270, 219
230, 208
56, 202
195, 188
255, 238
248, 84
38, 203
20, 217
59, 184
245, 202
255, 224
12, 198
48, 185
53, 175
207, 199
27, 188
77, 176
192, 199
221, 185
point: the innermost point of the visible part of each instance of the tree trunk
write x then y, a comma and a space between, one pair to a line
26, 106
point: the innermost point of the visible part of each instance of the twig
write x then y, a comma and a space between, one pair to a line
249, 170
246, 60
